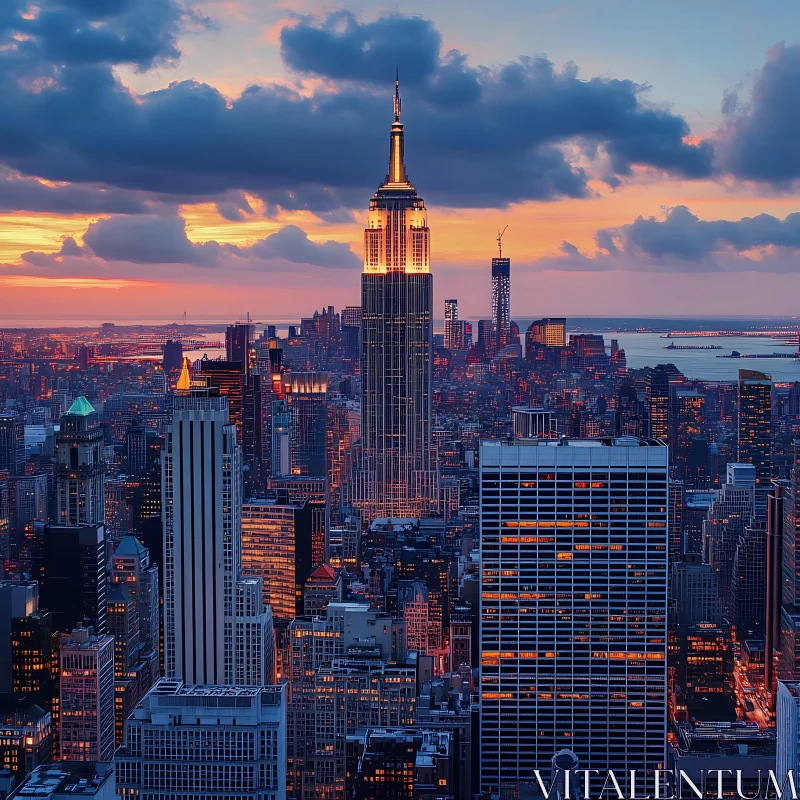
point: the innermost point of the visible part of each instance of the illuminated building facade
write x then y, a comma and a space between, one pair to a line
86, 688
80, 467
755, 429
276, 546
573, 605
501, 300
549, 332
657, 398
307, 397
396, 346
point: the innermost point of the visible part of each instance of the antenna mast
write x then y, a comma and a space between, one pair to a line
500, 240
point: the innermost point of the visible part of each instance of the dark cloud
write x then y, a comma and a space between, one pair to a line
475, 136
343, 48
684, 236
142, 33
18, 193
760, 138
153, 239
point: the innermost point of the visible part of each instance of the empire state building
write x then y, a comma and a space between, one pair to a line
399, 475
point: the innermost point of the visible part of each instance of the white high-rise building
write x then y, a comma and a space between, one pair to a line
787, 729
212, 618
573, 605
205, 742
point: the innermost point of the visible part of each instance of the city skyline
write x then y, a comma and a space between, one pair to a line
667, 195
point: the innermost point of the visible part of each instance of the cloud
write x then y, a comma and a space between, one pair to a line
343, 48
141, 33
759, 140
149, 240
18, 193
157, 240
683, 235
476, 136
292, 244
682, 242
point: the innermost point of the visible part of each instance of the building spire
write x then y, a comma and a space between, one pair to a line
397, 102
397, 167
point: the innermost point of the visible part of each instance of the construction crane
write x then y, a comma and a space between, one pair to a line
500, 240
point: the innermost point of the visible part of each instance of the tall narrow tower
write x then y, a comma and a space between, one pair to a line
501, 294
396, 342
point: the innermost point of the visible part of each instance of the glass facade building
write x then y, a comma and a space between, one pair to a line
573, 605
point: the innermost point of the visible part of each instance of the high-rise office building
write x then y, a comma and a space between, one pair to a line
547, 332
206, 601
501, 298
343, 428
694, 593
396, 345
732, 509
687, 424
131, 567
755, 429
239, 344
172, 355
453, 327
276, 547
657, 399
205, 742
71, 567
772, 610
86, 688
574, 605
12, 444
307, 396
80, 467
281, 447
787, 728
748, 581
201, 516
34, 658
17, 599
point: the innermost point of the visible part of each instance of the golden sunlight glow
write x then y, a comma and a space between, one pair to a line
41, 282
22, 231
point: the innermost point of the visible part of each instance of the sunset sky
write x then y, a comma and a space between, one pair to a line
217, 158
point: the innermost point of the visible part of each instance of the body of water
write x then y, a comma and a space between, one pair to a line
647, 350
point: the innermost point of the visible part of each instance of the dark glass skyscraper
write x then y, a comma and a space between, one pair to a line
396, 343
501, 299
755, 428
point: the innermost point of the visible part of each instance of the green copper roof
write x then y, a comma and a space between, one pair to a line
81, 408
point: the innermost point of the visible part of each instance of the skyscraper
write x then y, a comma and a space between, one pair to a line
70, 565
206, 602
238, 341
396, 342
80, 467
755, 429
86, 686
276, 547
501, 298
657, 397
12, 444
453, 327
307, 396
574, 605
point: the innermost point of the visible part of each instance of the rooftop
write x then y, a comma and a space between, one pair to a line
81, 407
81, 778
